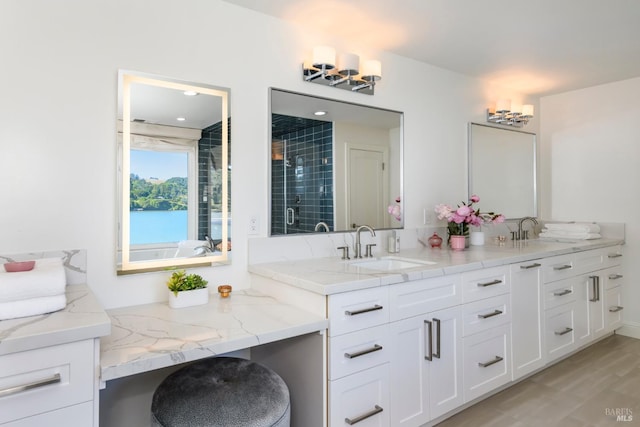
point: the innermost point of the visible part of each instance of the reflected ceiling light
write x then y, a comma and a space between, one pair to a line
345, 74
190, 93
319, 113
181, 119
510, 114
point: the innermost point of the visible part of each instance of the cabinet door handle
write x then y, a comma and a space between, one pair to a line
437, 352
377, 409
614, 255
491, 362
563, 292
491, 283
615, 309
595, 281
615, 276
376, 347
362, 311
526, 267
428, 340
486, 316
29, 386
563, 332
562, 267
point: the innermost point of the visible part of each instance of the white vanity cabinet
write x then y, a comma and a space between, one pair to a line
426, 349
49, 386
527, 323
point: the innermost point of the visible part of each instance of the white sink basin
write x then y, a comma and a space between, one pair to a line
390, 263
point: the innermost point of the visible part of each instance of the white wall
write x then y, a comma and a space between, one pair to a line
590, 145
58, 91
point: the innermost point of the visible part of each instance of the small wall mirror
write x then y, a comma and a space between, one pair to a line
502, 170
174, 162
334, 165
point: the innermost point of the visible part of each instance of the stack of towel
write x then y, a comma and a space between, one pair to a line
571, 231
28, 293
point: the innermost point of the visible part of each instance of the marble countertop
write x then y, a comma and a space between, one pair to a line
153, 336
83, 318
328, 276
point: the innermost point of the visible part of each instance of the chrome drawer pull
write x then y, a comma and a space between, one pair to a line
363, 417
563, 267
614, 255
566, 331
493, 282
437, 352
562, 293
615, 309
428, 330
486, 364
596, 288
29, 386
615, 276
376, 347
364, 310
535, 265
486, 316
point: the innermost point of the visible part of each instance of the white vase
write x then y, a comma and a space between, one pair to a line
189, 298
477, 238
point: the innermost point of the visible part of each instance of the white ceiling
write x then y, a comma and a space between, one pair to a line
538, 47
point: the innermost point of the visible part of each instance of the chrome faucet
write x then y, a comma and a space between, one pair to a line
524, 234
321, 225
358, 246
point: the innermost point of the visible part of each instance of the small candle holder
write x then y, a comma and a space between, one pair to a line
224, 290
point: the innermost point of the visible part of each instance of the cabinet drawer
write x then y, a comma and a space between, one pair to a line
560, 334
557, 268
361, 398
423, 296
614, 308
485, 314
561, 292
613, 278
80, 415
53, 377
350, 353
612, 256
485, 283
486, 362
352, 311
588, 261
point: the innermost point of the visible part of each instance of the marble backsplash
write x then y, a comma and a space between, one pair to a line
74, 261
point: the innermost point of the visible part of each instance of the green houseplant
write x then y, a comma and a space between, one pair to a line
187, 289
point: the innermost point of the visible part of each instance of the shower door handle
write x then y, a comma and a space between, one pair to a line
290, 216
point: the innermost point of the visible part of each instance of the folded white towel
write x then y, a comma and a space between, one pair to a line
46, 279
569, 236
32, 307
582, 227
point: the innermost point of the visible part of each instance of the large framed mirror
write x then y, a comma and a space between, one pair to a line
334, 165
502, 170
173, 173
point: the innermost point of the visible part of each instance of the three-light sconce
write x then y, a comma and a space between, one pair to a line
511, 114
345, 73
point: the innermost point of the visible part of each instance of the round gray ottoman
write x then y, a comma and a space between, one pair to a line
221, 391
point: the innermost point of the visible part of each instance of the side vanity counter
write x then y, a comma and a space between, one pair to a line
49, 364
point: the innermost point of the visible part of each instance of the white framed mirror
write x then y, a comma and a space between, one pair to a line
335, 171
173, 173
502, 170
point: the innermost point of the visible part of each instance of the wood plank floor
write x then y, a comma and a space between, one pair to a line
585, 390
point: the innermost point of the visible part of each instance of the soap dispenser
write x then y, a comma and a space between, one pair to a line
393, 243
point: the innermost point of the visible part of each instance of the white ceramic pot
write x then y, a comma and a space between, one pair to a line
477, 238
189, 298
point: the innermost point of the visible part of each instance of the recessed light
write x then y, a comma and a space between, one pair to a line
181, 119
190, 93
319, 113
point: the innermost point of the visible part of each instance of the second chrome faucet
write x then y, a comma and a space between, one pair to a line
358, 246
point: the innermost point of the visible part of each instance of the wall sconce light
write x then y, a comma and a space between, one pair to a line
346, 74
510, 114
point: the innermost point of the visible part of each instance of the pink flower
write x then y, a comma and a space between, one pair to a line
498, 219
394, 211
464, 210
474, 199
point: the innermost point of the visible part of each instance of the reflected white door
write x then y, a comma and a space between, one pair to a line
366, 186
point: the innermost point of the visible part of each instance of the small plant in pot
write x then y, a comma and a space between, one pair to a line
187, 289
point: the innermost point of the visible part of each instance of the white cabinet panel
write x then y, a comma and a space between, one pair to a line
486, 361
614, 307
80, 415
356, 351
352, 311
560, 336
485, 314
485, 283
423, 296
361, 398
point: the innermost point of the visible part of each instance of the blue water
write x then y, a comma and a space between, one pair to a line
157, 226
167, 226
